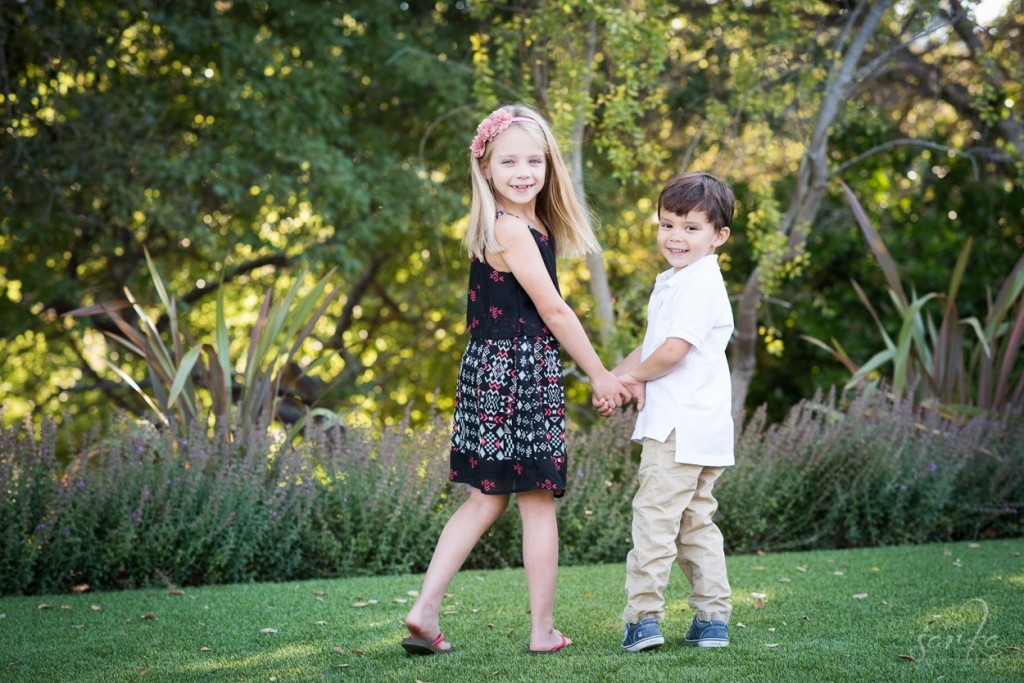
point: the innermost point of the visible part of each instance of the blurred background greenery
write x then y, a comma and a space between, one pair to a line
249, 145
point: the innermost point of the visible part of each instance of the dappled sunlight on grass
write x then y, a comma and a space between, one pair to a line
277, 656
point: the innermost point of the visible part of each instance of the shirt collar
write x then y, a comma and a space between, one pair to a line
672, 277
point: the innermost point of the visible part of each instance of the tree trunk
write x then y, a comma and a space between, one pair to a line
599, 289
812, 180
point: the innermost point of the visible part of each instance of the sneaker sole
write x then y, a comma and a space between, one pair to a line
645, 644
708, 643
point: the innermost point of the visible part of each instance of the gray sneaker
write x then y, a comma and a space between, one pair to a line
714, 633
643, 635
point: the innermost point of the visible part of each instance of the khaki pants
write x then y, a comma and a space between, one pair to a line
672, 520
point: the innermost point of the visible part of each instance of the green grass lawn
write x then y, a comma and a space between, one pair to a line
952, 612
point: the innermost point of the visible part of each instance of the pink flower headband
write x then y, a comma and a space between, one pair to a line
496, 123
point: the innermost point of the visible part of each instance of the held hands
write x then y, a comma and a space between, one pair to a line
636, 388
609, 393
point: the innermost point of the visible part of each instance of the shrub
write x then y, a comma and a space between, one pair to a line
873, 471
145, 504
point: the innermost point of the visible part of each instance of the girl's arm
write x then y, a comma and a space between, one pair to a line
524, 261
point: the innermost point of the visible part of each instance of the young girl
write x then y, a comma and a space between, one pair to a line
509, 430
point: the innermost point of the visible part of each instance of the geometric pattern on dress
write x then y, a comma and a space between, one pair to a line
508, 434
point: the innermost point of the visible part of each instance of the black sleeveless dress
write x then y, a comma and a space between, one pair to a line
509, 429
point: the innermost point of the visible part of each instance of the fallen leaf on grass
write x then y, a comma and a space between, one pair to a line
1015, 554
947, 553
771, 644
449, 595
973, 545
490, 625
321, 623
412, 593
784, 579
360, 604
341, 666
3, 616
805, 618
758, 568
450, 613
837, 573
358, 652
495, 673
511, 632
910, 658
176, 592
859, 596
268, 630
401, 601
761, 553
319, 592
758, 600
142, 672
95, 608
801, 569
148, 615
1015, 648
740, 624
204, 649
77, 625
475, 610
80, 588
339, 650
65, 606
45, 606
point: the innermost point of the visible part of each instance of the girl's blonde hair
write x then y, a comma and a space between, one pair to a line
557, 206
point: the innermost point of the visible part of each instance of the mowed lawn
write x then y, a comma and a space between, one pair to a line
950, 611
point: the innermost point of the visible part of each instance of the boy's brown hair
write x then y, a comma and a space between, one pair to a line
698, 191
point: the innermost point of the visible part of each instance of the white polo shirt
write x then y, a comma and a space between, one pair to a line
695, 397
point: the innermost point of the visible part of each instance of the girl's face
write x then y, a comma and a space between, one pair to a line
516, 168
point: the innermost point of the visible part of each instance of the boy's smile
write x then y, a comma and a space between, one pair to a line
684, 240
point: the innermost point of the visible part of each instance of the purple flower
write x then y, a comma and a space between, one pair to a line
932, 467
903, 487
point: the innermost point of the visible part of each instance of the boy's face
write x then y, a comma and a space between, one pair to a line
684, 240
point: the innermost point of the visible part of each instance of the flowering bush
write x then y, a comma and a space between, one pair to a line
142, 505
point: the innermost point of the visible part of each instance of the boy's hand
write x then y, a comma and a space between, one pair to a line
637, 389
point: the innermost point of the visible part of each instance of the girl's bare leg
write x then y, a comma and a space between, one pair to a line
540, 557
460, 534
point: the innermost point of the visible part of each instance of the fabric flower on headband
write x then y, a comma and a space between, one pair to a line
496, 123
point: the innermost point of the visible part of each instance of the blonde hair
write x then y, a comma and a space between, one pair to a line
557, 206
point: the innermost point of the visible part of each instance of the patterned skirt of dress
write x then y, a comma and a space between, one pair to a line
509, 428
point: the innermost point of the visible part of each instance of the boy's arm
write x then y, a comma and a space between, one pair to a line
667, 356
629, 362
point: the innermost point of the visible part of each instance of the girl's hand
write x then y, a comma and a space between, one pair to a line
603, 408
608, 388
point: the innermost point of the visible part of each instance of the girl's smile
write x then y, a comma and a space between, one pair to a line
517, 168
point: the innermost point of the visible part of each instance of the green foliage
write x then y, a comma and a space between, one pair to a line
873, 471
142, 505
252, 385
961, 364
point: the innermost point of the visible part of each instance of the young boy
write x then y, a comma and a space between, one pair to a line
680, 378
